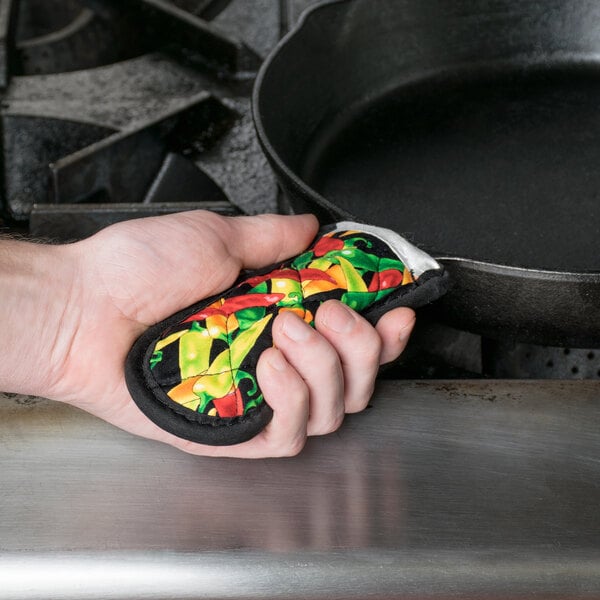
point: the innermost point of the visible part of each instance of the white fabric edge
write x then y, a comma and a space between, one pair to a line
413, 258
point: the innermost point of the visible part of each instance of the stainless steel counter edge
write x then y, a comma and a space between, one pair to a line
331, 575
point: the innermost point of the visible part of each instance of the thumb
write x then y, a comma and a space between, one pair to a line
262, 240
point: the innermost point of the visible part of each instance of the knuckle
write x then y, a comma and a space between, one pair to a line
360, 401
329, 364
373, 350
331, 424
336, 422
367, 354
294, 447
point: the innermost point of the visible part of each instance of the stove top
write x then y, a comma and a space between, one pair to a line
117, 109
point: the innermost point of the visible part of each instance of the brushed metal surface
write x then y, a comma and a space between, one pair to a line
459, 489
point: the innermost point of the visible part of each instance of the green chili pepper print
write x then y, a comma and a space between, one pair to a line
203, 363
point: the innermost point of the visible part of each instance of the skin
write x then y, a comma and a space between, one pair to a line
70, 313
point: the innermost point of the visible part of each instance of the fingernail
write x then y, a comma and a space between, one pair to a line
296, 329
339, 318
276, 360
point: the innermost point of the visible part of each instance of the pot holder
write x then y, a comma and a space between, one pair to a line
194, 374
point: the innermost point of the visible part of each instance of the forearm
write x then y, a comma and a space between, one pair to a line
35, 283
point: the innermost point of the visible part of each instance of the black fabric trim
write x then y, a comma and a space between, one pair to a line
430, 286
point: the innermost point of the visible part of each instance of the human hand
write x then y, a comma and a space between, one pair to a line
134, 274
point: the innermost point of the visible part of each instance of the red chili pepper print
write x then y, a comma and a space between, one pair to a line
315, 275
278, 274
232, 305
231, 405
327, 244
385, 280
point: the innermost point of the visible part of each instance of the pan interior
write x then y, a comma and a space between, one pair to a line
499, 166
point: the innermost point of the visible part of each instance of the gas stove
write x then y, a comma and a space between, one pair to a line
118, 109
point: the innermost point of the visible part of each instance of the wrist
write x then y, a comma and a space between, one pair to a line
36, 320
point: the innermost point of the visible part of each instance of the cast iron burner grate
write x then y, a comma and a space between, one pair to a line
113, 109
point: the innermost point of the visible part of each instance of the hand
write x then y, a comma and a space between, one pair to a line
134, 274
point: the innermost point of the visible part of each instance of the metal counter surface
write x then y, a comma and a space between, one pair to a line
462, 489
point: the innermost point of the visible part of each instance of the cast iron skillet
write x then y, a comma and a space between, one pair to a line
472, 128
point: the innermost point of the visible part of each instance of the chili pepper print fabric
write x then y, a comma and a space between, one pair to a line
206, 363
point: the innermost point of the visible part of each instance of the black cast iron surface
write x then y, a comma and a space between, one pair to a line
461, 489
